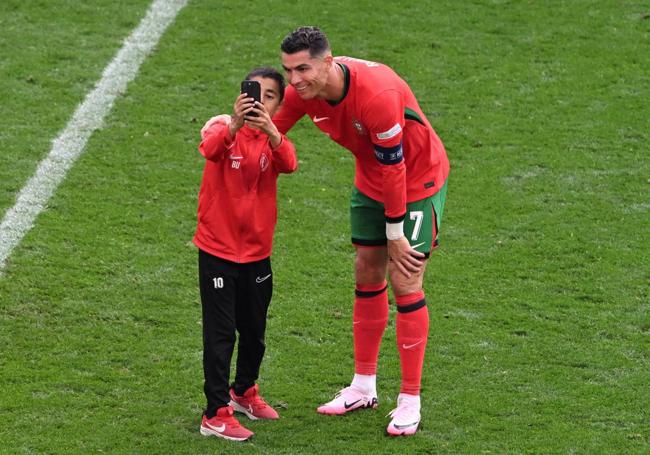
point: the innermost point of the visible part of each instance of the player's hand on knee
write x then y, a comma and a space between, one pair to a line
405, 258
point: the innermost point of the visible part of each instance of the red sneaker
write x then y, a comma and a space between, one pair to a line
252, 404
225, 425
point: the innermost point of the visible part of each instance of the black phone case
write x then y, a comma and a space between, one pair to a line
253, 89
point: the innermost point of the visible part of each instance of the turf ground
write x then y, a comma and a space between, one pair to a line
538, 297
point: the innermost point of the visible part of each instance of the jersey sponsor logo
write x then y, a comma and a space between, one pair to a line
233, 157
262, 279
264, 162
394, 131
318, 119
235, 164
419, 244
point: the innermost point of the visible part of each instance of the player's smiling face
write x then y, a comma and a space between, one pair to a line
307, 74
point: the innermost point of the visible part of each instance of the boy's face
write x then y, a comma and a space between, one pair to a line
270, 92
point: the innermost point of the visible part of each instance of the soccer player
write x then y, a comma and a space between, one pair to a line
396, 205
236, 219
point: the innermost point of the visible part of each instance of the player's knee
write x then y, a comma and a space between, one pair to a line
405, 289
370, 266
403, 285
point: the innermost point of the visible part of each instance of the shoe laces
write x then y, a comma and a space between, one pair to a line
350, 389
341, 392
257, 401
230, 420
233, 422
402, 406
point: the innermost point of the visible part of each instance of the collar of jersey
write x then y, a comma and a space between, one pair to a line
250, 132
346, 86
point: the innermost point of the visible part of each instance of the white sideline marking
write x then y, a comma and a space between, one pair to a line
88, 117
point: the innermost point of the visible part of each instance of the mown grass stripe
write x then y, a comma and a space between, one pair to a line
88, 117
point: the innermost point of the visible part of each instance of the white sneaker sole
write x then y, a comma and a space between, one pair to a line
208, 432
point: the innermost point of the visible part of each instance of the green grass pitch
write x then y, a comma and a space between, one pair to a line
538, 296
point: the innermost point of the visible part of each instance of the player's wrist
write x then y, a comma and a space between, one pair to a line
395, 231
232, 129
275, 138
276, 145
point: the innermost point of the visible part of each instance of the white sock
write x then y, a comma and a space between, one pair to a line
366, 382
413, 399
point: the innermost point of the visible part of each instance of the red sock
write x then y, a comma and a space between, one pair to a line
369, 320
412, 332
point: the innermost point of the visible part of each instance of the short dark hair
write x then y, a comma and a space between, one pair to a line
271, 73
302, 38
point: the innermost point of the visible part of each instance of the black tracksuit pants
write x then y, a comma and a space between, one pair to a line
235, 298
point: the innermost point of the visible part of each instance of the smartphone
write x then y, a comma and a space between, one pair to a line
254, 90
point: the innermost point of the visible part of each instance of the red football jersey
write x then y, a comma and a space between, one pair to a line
378, 109
237, 202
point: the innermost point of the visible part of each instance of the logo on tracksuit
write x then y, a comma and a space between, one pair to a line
264, 162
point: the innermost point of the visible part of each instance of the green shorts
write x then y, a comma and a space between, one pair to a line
421, 224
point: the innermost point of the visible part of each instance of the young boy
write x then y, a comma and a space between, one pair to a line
236, 219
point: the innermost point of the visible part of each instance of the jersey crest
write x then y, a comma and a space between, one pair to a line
359, 127
264, 162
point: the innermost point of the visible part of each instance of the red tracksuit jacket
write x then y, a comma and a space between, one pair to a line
237, 202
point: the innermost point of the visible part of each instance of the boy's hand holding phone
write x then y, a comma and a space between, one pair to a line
244, 104
249, 110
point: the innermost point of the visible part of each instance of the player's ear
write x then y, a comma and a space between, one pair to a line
328, 59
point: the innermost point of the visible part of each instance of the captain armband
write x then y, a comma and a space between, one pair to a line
389, 155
